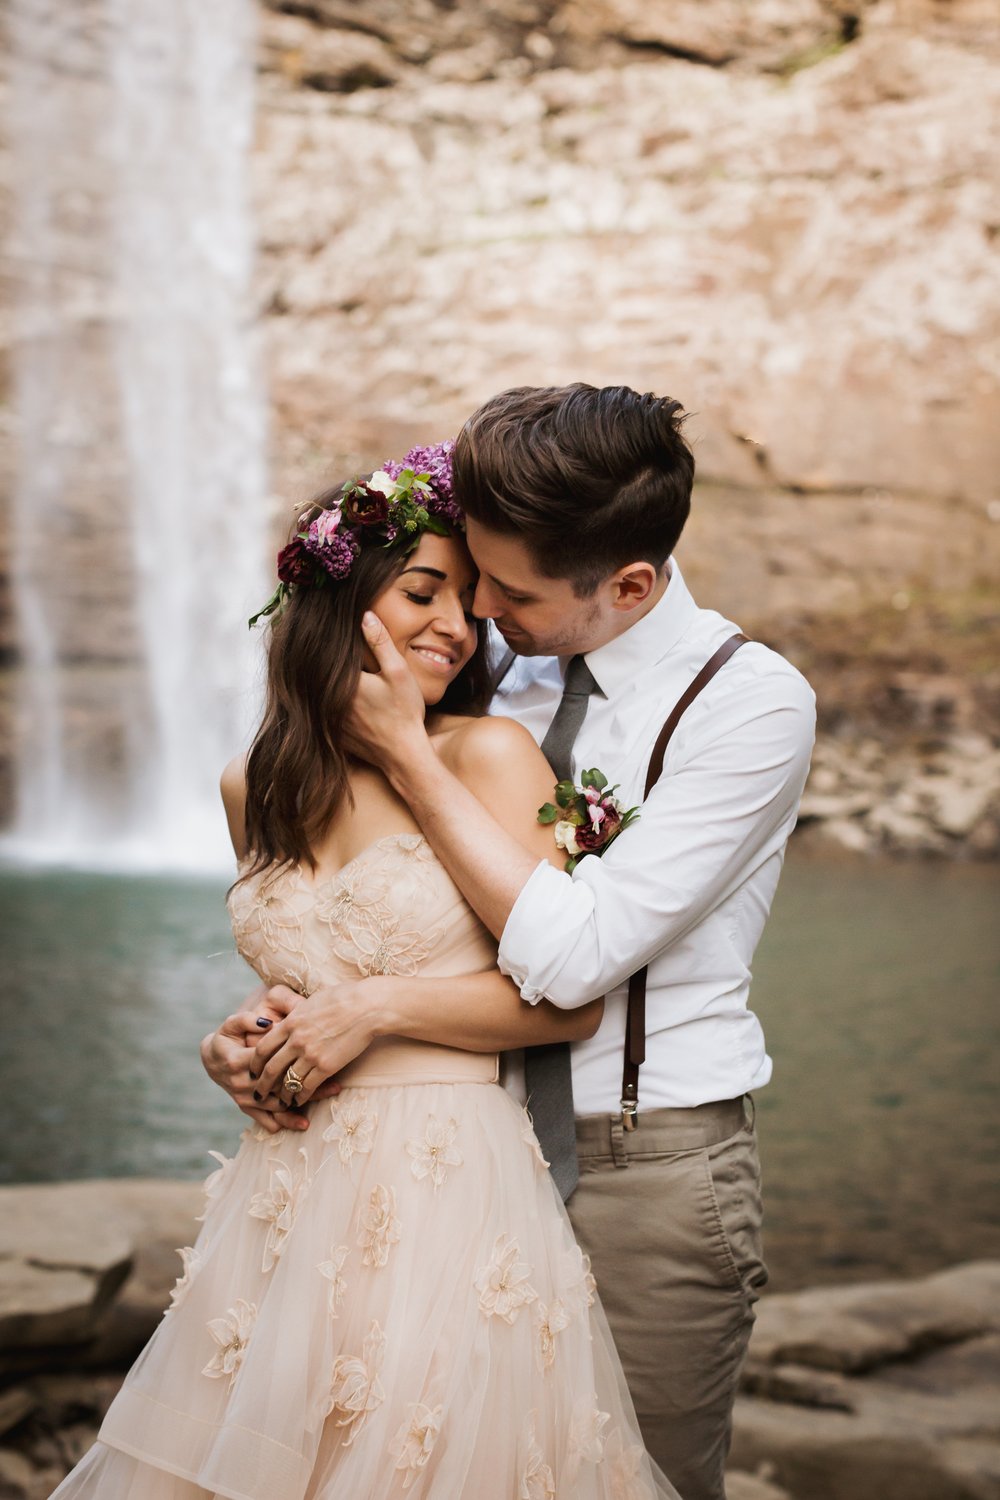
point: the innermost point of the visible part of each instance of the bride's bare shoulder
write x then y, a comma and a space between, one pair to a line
233, 786
479, 746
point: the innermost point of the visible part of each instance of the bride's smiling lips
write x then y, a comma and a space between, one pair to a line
438, 660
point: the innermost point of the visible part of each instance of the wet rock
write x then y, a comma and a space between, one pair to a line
59, 1266
741, 1486
917, 1388
854, 1328
15, 1404
18, 1477
87, 1267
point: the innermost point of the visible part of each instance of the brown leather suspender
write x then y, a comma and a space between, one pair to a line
635, 1024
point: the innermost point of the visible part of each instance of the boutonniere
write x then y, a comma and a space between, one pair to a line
587, 817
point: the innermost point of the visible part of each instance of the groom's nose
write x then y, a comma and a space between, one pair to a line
485, 605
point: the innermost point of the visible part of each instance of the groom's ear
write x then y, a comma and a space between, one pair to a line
633, 584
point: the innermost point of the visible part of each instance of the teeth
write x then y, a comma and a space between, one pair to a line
445, 661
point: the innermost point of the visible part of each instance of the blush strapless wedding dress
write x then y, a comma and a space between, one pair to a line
392, 1303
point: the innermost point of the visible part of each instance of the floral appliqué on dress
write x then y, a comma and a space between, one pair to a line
352, 1127
331, 1269
232, 1334
503, 1284
380, 1228
432, 1156
279, 1205
357, 896
190, 1261
625, 1463
577, 1287
213, 1181
356, 1390
537, 1481
414, 1442
268, 927
548, 1322
386, 947
529, 1138
586, 1435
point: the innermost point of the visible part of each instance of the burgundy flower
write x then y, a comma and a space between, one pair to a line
589, 837
365, 507
294, 563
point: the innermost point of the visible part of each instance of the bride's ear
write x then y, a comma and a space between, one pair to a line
633, 584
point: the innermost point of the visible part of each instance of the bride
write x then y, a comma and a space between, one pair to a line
388, 1300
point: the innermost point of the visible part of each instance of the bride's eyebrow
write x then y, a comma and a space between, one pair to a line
431, 573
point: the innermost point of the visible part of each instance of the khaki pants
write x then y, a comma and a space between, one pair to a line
670, 1216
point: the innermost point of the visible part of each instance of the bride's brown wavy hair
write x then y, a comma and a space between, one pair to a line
297, 770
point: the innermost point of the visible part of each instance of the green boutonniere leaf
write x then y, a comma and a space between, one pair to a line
594, 778
547, 813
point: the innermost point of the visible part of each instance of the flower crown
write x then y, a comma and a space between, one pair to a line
392, 508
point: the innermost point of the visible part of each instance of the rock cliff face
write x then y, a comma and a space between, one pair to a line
788, 220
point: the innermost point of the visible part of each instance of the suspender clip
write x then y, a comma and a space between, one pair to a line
630, 1108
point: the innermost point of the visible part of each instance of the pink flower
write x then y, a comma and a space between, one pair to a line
325, 524
598, 834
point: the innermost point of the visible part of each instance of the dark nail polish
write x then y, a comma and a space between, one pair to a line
259, 1097
253, 1075
264, 1023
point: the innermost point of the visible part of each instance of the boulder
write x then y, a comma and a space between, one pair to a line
855, 1328
87, 1266
887, 1391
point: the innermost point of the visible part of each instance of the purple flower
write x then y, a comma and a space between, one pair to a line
335, 552
434, 461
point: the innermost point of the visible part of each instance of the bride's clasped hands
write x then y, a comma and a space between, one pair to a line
318, 1035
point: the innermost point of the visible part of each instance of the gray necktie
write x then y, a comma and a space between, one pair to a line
548, 1073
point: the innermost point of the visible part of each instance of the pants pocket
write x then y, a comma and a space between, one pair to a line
732, 1172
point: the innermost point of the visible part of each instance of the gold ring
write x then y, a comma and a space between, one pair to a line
293, 1083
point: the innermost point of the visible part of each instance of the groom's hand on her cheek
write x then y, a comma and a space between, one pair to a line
388, 709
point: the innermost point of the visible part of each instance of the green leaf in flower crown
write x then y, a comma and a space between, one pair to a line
565, 792
435, 524
275, 602
594, 778
547, 813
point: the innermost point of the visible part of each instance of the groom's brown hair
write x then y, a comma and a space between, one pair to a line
590, 478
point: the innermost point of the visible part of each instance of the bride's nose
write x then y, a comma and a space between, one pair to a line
451, 620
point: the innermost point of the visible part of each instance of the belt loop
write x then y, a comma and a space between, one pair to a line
749, 1111
618, 1151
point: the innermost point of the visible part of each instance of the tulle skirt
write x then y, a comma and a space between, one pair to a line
389, 1304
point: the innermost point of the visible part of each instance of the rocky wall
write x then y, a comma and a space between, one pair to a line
786, 215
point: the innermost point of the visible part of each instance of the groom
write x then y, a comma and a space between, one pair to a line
575, 498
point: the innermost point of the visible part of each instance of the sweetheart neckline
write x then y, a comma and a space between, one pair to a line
386, 838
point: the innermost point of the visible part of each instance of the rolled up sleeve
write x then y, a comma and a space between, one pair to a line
727, 802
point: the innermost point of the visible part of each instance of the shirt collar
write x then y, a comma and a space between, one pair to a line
616, 663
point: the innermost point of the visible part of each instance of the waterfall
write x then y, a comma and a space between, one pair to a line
139, 516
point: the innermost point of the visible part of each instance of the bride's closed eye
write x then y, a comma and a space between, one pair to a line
419, 598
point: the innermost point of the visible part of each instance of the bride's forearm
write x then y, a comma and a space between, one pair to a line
480, 1013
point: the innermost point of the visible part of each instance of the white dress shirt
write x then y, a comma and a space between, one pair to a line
687, 888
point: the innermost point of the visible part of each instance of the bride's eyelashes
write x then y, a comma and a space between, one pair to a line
419, 598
